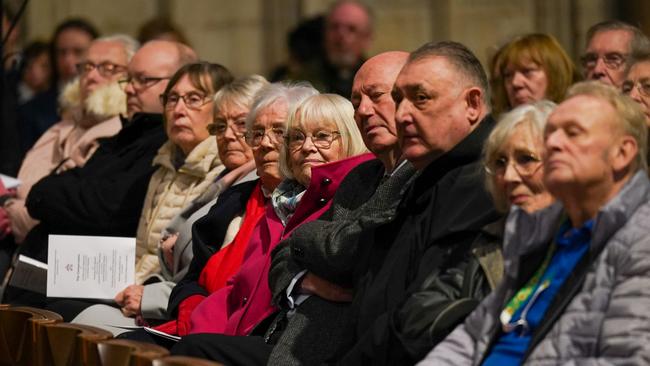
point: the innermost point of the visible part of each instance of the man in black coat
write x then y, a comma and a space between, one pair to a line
105, 196
443, 118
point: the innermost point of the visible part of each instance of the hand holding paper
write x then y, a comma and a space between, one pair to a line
130, 300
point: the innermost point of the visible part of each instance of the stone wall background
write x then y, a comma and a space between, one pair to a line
248, 36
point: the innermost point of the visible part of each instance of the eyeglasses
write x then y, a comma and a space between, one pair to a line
642, 86
105, 69
192, 100
220, 126
141, 82
255, 137
295, 139
525, 164
612, 60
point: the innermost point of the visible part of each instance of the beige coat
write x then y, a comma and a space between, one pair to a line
170, 190
66, 145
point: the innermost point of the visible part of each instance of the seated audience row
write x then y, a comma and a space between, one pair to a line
266, 234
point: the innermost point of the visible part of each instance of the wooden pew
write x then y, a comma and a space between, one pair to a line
123, 352
21, 333
72, 344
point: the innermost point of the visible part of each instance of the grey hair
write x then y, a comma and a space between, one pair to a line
240, 92
129, 43
640, 42
534, 117
289, 93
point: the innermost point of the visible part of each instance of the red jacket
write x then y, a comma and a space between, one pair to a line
246, 299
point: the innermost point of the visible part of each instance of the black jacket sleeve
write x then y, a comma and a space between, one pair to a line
438, 301
329, 246
79, 202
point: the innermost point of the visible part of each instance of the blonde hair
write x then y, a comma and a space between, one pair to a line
325, 108
631, 117
533, 116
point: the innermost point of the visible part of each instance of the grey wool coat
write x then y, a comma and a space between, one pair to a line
601, 316
363, 201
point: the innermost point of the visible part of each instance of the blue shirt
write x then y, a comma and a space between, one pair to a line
571, 245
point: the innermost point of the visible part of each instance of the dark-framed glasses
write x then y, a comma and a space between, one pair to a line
525, 164
192, 100
612, 60
255, 137
295, 139
105, 69
220, 126
642, 86
140, 82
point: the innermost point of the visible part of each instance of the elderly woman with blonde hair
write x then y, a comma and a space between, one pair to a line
321, 145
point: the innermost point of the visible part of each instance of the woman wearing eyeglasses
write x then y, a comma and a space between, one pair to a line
528, 69
216, 260
232, 199
513, 158
187, 163
321, 145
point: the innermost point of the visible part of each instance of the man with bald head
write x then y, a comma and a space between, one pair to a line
105, 197
418, 274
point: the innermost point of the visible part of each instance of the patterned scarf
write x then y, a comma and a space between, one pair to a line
286, 198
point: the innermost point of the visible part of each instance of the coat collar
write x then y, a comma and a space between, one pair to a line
465, 152
526, 233
202, 159
325, 180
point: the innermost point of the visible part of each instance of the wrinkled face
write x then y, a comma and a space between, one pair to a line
431, 109
69, 50
605, 56
579, 142
374, 108
187, 114
149, 70
525, 84
271, 123
233, 149
38, 73
518, 172
347, 34
106, 63
637, 86
302, 157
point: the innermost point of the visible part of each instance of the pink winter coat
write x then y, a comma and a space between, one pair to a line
246, 299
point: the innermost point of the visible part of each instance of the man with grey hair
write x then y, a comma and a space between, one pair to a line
576, 272
610, 45
105, 197
92, 103
409, 276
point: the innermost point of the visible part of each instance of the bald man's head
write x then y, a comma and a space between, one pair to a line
371, 96
150, 70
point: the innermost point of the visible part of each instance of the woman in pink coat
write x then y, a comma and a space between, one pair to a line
321, 146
